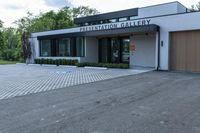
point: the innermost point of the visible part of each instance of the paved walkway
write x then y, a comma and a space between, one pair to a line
18, 80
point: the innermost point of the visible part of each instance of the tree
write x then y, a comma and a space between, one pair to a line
83, 11
51, 20
196, 7
1, 24
59, 20
2, 43
25, 30
10, 51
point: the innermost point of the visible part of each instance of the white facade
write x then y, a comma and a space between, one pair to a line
145, 53
169, 17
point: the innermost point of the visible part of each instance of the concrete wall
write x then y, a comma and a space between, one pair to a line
145, 53
181, 22
162, 9
36, 49
91, 50
181, 8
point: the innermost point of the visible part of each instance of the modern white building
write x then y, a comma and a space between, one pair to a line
164, 37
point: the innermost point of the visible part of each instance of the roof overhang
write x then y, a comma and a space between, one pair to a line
129, 30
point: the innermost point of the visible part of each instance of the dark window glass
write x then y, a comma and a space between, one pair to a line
54, 48
123, 19
45, 48
64, 47
125, 50
132, 17
113, 20
103, 50
80, 47
115, 52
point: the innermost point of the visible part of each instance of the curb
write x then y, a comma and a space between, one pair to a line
99, 68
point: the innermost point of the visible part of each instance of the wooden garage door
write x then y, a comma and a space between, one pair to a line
185, 51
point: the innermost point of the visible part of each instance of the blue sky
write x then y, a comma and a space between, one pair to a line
11, 10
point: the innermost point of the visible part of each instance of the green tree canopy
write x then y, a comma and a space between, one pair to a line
82, 11
52, 20
1, 24
2, 43
195, 7
14, 41
11, 50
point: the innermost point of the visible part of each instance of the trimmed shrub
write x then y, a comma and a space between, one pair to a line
108, 65
56, 62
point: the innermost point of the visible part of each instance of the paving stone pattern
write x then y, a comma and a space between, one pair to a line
19, 80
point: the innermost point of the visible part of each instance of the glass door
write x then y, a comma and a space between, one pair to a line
115, 50
125, 50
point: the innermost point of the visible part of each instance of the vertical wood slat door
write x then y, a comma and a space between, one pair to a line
185, 51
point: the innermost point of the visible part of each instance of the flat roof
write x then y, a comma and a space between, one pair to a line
138, 29
116, 14
107, 16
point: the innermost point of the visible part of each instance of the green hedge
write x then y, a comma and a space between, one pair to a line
56, 62
108, 65
75, 62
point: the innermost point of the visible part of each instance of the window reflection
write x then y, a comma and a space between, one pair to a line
64, 47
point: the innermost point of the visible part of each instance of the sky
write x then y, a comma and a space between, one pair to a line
12, 10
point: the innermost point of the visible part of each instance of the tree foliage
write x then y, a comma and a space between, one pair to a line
11, 50
195, 7
14, 43
82, 11
2, 43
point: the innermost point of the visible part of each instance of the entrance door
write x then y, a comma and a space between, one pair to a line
125, 42
115, 50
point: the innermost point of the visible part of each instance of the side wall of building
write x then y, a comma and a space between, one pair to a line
162, 9
180, 22
145, 51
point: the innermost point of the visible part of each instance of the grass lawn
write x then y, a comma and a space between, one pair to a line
3, 62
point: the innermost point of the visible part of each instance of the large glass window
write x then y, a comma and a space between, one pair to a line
64, 47
45, 48
80, 47
113, 20
123, 19
132, 17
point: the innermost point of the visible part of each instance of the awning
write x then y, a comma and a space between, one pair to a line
129, 30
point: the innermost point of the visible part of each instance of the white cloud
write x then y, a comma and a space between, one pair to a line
11, 10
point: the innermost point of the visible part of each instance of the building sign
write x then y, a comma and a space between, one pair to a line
110, 26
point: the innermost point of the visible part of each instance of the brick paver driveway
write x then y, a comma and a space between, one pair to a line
18, 80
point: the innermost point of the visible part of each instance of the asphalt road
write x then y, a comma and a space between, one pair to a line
154, 102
